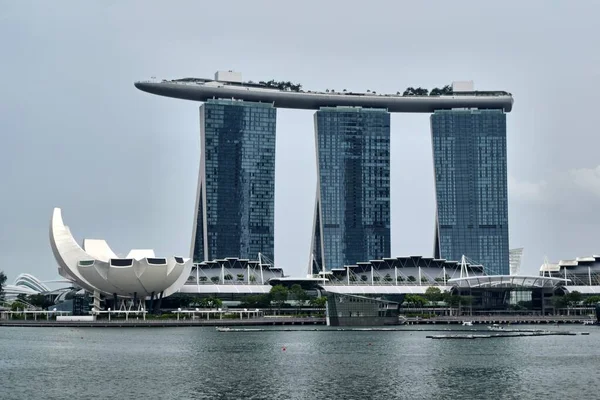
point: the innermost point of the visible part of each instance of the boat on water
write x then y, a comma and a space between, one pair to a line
589, 322
226, 329
496, 327
467, 323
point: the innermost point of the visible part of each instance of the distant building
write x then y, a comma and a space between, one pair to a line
352, 213
515, 257
236, 188
469, 153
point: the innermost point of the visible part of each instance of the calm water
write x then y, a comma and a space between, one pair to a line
201, 363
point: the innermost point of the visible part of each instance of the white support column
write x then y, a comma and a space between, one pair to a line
197, 276
371, 275
347, 275
589, 275
262, 278
222, 274
565, 269
396, 275
444, 272
419, 276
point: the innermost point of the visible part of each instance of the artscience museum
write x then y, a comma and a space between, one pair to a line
141, 275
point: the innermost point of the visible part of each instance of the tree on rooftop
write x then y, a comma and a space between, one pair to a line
440, 92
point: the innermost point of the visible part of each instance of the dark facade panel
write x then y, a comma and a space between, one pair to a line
469, 153
352, 221
236, 200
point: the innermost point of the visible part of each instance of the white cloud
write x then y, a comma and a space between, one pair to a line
527, 191
563, 188
587, 179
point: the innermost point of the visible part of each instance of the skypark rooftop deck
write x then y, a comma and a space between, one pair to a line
198, 89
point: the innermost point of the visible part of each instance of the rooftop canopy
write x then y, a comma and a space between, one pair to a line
507, 281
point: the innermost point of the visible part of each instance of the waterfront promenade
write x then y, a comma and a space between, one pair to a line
158, 323
504, 319
291, 320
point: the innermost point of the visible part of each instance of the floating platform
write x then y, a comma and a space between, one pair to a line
506, 334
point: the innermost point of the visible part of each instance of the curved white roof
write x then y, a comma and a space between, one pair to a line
98, 269
31, 282
380, 289
499, 281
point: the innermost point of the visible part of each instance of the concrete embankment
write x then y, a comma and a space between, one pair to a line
155, 323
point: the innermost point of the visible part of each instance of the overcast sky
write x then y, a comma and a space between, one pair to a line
123, 164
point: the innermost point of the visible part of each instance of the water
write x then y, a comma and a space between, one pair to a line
201, 363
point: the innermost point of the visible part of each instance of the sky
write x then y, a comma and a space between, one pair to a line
123, 164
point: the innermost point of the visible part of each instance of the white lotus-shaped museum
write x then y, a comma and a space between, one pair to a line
95, 267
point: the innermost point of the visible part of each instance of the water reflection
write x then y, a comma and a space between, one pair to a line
200, 363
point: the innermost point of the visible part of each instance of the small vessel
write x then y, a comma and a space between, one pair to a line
496, 327
589, 322
467, 323
226, 329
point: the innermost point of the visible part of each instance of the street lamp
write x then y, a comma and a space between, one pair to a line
108, 314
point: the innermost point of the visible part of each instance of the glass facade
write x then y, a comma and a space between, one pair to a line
352, 214
469, 154
235, 205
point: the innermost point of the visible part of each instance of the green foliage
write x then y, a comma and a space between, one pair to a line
387, 278
256, 301
559, 301
279, 294
376, 279
452, 300
228, 277
240, 277
574, 298
252, 278
466, 300
298, 293
415, 300
210, 302
215, 279
363, 278
415, 92
203, 279
39, 300
318, 302
282, 85
592, 300
2, 282
434, 294
178, 300
569, 300
446, 90
412, 278
424, 279
400, 279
